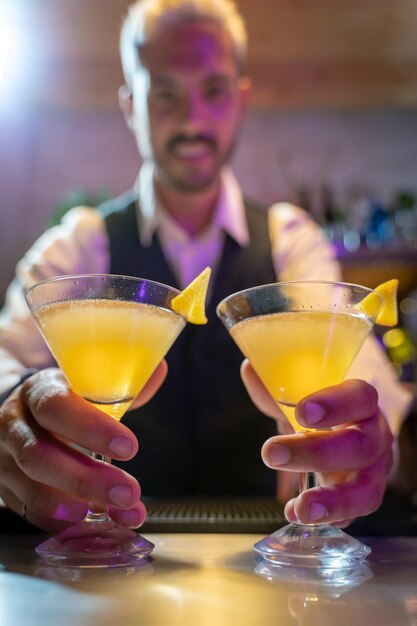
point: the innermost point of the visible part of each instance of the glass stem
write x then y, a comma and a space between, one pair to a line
308, 480
97, 512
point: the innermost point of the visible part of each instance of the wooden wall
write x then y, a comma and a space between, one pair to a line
331, 77
303, 53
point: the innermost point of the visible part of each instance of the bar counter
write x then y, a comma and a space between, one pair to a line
207, 580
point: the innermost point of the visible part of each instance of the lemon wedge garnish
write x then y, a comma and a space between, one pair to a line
387, 315
191, 302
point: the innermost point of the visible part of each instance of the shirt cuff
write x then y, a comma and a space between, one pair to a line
26, 374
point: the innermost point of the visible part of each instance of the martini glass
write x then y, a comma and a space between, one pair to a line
301, 337
107, 333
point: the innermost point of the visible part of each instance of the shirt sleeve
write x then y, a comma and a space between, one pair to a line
301, 251
372, 365
79, 244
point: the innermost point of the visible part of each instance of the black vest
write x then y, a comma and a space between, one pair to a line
200, 434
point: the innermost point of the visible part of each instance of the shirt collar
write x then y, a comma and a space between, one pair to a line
229, 215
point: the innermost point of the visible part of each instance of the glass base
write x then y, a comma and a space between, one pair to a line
64, 574
305, 545
95, 544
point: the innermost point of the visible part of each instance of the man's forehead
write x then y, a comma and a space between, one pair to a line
189, 47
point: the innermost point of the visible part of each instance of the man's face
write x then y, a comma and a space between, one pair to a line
188, 104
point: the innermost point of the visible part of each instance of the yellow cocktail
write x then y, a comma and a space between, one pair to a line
295, 353
108, 348
108, 334
301, 337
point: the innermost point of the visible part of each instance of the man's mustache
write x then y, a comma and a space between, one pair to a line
200, 137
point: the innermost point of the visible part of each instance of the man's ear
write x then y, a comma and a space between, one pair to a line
245, 89
126, 104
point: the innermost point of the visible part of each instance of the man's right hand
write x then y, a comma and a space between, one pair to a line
44, 476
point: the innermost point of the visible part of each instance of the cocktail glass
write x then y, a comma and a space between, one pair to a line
301, 337
107, 333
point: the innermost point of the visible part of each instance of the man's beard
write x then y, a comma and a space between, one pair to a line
194, 182
189, 184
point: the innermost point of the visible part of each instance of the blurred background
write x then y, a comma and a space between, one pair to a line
333, 126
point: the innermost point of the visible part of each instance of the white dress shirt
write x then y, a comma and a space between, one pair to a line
300, 251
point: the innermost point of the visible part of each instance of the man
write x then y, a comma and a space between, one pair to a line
185, 99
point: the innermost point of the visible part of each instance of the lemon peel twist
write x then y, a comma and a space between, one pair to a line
190, 303
387, 314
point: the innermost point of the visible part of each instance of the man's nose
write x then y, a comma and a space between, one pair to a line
193, 110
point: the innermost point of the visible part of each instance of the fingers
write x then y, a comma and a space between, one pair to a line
353, 458
46, 472
350, 401
47, 508
258, 393
133, 518
349, 449
52, 509
152, 386
341, 503
57, 409
49, 462
365, 435
54, 464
